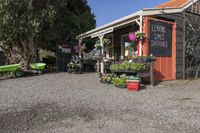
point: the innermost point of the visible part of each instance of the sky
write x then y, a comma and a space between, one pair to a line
108, 10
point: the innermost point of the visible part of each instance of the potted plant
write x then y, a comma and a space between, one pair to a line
119, 82
128, 66
132, 36
106, 79
140, 35
133, 83
73, 65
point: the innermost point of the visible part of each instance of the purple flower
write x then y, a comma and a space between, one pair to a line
132, 37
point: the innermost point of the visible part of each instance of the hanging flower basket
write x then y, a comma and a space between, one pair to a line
132, 36
140, 35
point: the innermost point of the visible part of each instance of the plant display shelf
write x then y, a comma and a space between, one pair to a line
128, 72
140, 74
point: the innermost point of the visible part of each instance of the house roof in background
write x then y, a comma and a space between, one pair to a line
174, 4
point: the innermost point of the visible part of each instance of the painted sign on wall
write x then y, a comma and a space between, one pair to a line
160, 40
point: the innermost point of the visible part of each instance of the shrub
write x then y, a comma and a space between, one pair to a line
119, 82
73, 65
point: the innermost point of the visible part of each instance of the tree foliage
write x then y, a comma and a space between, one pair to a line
26, 24
66, 19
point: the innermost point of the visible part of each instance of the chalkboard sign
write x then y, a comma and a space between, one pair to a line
160, 40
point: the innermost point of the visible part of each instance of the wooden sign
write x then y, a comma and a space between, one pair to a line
160, 40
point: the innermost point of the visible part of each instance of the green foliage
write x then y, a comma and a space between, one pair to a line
65, 20
133, 45
128, 66
114, 67
73, 65
106, 42
140, 35
28, 24
106, 79
45, 53
119, 82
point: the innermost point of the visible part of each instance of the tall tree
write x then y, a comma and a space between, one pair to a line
25, 24
66, 19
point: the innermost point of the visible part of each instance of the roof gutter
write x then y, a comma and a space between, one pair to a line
113, 24
156, 11
132, 17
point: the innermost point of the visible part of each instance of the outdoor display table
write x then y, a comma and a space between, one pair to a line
141, 74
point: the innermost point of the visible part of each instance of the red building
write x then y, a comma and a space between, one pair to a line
168, 28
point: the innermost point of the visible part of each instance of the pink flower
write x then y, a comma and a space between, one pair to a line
132, 37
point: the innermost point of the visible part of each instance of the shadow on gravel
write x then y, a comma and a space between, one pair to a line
29, 73
40, 116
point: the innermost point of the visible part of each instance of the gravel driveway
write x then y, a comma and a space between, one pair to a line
63, 103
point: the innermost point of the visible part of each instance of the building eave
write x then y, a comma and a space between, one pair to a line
111, 24
156, 11
130, 18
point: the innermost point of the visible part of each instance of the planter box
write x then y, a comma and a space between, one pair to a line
133, 85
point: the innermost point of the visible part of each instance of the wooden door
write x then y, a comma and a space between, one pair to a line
161, 42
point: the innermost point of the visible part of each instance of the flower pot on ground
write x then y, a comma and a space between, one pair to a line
106, 79
133, 83
73, 65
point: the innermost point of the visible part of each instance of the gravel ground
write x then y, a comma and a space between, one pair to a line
63, 103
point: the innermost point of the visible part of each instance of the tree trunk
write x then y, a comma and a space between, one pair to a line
23, 50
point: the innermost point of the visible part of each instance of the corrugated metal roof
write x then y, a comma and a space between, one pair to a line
174, 4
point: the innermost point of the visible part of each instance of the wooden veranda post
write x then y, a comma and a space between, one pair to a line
141, 23
102, 51
79, 43
152, 76
80, 62
184, 43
